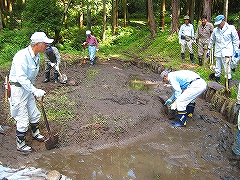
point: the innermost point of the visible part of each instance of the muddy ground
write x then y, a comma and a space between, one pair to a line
98, 108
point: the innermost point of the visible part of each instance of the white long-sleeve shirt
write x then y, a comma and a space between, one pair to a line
24, 69
225, 40
180, 80
186, 30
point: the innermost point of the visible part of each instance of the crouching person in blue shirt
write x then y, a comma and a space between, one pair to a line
187, 86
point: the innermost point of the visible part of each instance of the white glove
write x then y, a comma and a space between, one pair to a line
173, 106
97, 49
57, 67
39, 93
52, 64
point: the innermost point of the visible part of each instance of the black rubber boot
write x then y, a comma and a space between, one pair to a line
200, 61
229, 82
217, 79
182, 115
190, 109
47, 77
192, 58
36, 133
183, 56
21, 142
56, 77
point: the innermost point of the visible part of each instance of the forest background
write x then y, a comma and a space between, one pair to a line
125, 29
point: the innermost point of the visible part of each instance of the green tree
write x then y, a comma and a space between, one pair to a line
44, 15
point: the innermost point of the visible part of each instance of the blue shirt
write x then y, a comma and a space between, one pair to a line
24, 69
180, 80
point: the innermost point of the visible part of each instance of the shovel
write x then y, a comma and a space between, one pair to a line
62, 77
52, 141
227, 92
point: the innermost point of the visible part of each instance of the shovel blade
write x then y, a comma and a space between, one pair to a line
51, 142
63, 79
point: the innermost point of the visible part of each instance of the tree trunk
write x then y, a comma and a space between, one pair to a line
65, 14
117, 12
89, 15
114, 16
225, 9
151, 19
162, 14
125, 13
1, 21
191, 10
81, 17
104, 20
175, 16
207, 9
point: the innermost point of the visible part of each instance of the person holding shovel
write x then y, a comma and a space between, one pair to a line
226, 42
52, 60
236, 145
203, 34
186, 37
187, 86
23, 109
92, 43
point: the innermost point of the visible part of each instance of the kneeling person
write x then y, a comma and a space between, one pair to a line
187, 86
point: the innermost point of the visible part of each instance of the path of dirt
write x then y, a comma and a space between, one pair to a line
97, 109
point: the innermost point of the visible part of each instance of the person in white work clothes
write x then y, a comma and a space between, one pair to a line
186, 38
226, 42
23, 109
236, 145
187, 86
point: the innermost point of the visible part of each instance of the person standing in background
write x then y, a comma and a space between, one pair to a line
92, 43
203, 34
186, 37
226, 42
235, 61
236, 145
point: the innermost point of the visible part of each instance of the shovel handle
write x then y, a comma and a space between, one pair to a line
40, 100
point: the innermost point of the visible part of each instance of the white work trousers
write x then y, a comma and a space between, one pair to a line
23, 108
221, 61
190, 94
185, 43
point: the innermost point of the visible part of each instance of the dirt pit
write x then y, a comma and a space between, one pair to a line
112, 128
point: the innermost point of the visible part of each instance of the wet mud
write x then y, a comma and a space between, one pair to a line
112, 125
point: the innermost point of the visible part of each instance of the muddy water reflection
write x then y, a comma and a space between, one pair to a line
157, 157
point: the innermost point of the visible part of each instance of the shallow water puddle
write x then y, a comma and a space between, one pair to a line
140, 85
163, 155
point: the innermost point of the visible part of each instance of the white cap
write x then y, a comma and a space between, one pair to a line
88, 32
40, 37
164, 73
219, 19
